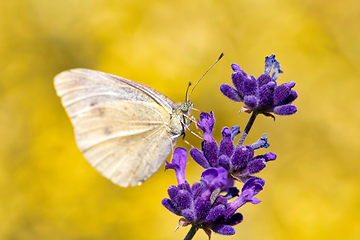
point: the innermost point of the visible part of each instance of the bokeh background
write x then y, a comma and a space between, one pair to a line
47, 189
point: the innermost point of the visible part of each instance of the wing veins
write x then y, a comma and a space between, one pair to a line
79, 99
96, 163
83, 87
119, 163
147, 163
120, 136
138, 123
146, 91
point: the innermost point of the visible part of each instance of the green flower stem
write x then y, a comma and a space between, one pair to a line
191, 233
247, 129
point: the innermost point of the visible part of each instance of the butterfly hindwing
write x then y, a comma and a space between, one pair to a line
121, 127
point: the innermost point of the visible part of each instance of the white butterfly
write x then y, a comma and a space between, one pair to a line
124, 129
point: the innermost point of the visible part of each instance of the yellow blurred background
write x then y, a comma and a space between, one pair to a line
48, 190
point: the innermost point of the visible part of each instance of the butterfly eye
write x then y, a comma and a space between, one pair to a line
184, 107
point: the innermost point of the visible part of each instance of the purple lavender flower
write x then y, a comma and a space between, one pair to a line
211, 204
262, 95
178, 163
239, 162
202, 204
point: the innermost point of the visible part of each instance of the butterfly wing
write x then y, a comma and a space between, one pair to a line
121, 126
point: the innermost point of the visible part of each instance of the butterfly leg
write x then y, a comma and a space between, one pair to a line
188, 143
192, 119
172, 143
196, 126
187, 128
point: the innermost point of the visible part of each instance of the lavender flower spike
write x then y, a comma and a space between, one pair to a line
240, 163
209, 145
203, 206
198, 208
262, 95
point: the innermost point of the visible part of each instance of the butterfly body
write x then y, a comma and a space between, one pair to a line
124, 129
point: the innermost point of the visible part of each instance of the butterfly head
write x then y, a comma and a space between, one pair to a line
186, 107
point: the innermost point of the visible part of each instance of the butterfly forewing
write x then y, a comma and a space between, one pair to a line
122, 127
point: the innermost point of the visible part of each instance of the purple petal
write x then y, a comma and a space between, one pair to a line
224, 161
184, 186
172, 191
229, 185
241, 157
230, 92
179, 159
251, 188
284, 95
266, 94
223, 229
290, 84
285, 109
270, 156
226, 145
178, 163
199, 158
214, 178
206, 124
254, 200
220, 200
188, 214
250, 86
208, 176
183, 200
202, 207
254, 166
280, 94
292, 96
169, 205
251, 101
196, 190
238, 79
210, 150
234, 219
235, 67
215, 213
263, 79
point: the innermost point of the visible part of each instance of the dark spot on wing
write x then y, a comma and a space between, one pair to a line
93, 103
98, 111
107, 130
101, 111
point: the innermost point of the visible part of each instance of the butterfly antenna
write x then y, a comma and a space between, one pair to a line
221, 55
187, 90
